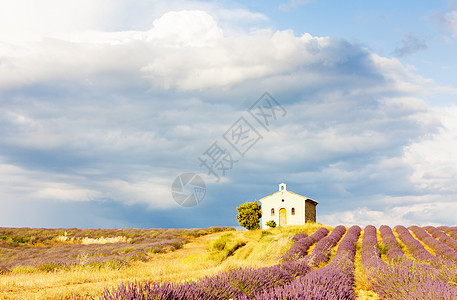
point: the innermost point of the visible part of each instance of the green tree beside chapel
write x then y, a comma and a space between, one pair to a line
249, 215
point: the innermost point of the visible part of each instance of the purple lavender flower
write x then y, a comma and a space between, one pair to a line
371, 255
452, 231
300, 248
394, 251
416, 249
321, 251
441, 236
441, 249
299, 236
411, 283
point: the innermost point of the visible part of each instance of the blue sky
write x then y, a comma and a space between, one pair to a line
104, 103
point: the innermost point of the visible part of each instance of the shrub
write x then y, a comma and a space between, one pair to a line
271, 224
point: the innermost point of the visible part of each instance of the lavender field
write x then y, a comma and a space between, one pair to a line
344, 263
301, 262
51, 249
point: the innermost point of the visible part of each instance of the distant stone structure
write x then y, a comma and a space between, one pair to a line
287, 208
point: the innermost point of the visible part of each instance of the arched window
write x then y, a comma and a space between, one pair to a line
272, 212
293, 211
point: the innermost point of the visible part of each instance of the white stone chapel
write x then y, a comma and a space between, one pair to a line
287, 208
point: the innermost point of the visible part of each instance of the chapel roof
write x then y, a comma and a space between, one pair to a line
285, 190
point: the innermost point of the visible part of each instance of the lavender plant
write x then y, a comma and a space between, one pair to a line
325, 283
416, 249
440, 248
321, 251
300, 248
299, 236
347, 245
394, 251
406, 279
452, 231
370, 253
441, 236
399, 282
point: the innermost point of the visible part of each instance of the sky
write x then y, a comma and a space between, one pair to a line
105, 105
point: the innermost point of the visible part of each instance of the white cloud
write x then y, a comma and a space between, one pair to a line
25, 20
404, 78
28, 20
22, 184
83, 55
187, 50
185, 29
152, 191
432, 169
433, 158
430, 212
30, 186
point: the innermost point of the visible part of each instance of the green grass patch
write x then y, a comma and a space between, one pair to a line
382, 248
224, 246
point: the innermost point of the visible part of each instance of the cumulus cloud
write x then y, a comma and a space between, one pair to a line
164, 54
184, 50
22, 184
432, 158
185, 29
433, 213
143, 188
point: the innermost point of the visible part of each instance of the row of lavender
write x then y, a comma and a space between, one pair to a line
300, 276
425, 277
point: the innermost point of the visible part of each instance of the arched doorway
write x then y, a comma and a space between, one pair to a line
282, 217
